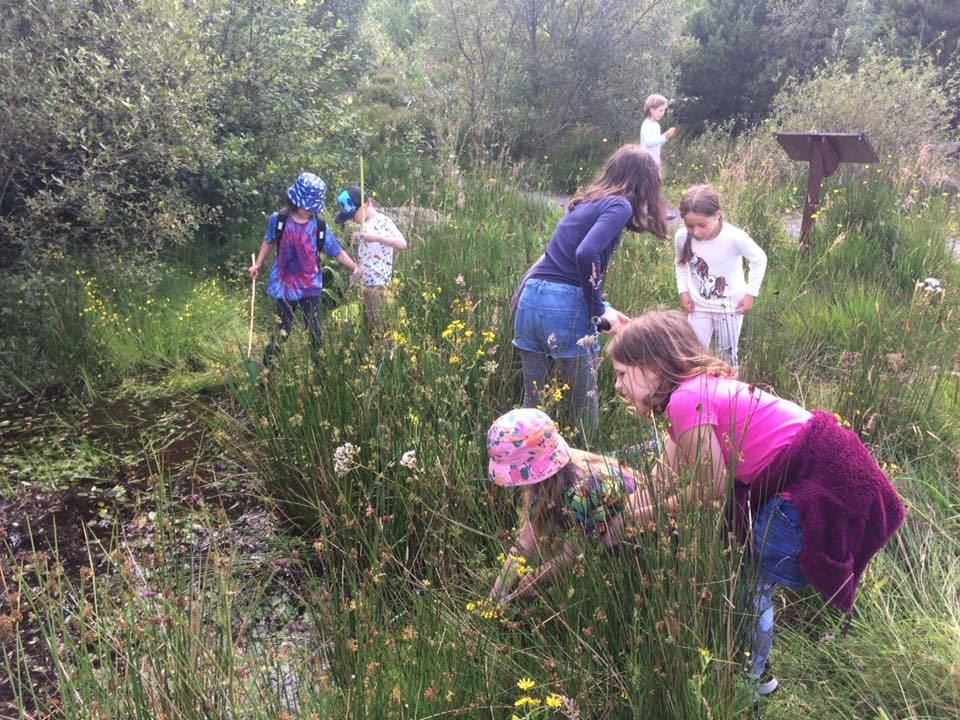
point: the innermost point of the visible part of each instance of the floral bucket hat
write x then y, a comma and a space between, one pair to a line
524, 448
308, 192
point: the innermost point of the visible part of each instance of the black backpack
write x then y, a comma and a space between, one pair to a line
284, 215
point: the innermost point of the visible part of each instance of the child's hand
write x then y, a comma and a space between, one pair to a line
671, 132
357, 236
357, 275
526, 589
745, 305
616, 320
253, 271
686, 302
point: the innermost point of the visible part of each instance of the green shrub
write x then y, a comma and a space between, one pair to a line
105, 121
870, 99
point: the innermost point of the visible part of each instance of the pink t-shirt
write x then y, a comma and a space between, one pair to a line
749, 422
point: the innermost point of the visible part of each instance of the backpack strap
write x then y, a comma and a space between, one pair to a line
282, 217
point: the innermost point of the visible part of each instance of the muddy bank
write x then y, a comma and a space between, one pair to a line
80, 479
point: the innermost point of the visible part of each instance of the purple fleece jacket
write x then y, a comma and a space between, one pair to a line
846, 506
582, 245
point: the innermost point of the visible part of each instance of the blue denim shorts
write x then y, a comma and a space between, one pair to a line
551, 317
777, 542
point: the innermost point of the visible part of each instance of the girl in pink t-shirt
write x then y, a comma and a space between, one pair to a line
815, 502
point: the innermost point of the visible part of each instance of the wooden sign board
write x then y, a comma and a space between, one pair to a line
825, 152
848, 147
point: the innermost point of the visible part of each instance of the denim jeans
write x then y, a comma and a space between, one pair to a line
310, 310
553, 331
580, 404
777, 541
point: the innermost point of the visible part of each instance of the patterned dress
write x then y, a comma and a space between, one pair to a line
598, 494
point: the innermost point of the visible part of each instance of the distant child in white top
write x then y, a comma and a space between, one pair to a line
650, 136
710, 278
377, 240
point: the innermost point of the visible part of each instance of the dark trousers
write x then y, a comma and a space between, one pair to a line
310, 310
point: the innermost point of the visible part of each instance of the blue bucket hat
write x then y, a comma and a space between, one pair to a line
307, 192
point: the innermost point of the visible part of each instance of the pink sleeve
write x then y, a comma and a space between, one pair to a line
687, 410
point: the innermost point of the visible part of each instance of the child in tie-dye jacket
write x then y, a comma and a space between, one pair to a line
296, 280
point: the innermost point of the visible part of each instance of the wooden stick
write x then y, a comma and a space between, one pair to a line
253, 295
363, 200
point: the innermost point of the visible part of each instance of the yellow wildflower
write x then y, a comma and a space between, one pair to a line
526, 683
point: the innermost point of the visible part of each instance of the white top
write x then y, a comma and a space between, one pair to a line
714, 277
376, 259
651, 138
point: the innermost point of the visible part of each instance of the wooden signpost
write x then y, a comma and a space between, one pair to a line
824, 152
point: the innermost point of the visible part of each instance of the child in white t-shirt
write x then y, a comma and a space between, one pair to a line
377, 241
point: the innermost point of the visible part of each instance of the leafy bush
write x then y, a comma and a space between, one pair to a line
282, 103
133, 124
899, 108
103, 122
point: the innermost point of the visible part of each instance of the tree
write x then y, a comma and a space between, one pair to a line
531, 71
732, 72
744, 50
810, 33
915, 28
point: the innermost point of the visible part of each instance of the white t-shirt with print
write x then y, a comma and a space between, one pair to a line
375, 258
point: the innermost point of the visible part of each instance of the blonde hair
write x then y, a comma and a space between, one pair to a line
653, 101
634, 174
702, 200
663, 341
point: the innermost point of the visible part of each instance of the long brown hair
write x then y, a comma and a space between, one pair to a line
544, 504
634, 174
664, 342
702, 200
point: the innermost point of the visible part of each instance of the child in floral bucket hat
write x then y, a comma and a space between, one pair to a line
564, 489
296, 280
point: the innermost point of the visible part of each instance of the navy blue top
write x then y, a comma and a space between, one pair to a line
582, 245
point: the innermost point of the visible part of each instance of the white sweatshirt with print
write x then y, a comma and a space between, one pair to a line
714, 277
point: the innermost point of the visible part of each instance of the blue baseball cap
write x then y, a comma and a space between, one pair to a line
349, 202
307, 192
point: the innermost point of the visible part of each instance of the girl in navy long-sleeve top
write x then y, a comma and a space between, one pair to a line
560, 306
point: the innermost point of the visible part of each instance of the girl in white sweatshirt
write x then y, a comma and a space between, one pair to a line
710, 278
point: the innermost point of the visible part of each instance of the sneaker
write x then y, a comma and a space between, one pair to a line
767, 684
